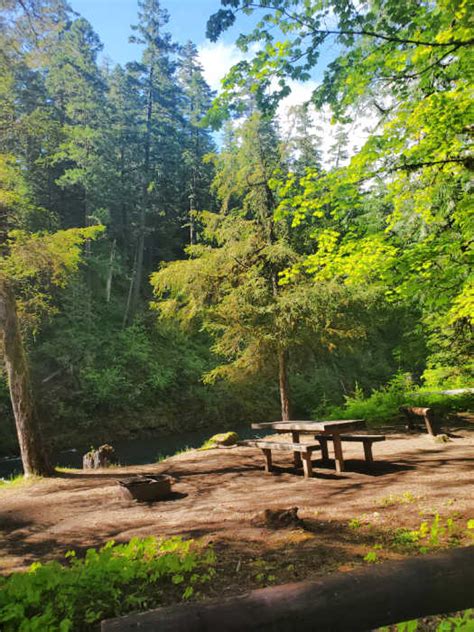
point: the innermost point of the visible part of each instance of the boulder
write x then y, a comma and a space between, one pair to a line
223, 439
104, 456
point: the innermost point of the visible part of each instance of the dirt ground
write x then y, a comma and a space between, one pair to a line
220, 495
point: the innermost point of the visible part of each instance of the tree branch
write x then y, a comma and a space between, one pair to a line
363, 32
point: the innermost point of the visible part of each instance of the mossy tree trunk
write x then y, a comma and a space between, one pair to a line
33, 454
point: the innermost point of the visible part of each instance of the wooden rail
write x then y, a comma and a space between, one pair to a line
361, 600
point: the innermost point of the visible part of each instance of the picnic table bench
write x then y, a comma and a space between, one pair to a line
415, 412
304, 449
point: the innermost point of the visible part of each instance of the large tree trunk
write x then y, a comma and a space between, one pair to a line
283, 382
33, 454
145, 196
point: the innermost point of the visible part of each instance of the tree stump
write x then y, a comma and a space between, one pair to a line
278, 518
104, 456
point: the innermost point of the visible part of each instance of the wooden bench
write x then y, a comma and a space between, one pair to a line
415, 412
366, 440
302, 449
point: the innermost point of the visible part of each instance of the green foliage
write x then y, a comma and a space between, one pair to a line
383, 405
114, 580
463, 622
431, 534
16, 481
397, 216
372, 557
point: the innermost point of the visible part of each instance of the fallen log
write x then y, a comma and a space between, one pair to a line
357, 601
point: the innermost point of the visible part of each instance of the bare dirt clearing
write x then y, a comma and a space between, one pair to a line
220, 495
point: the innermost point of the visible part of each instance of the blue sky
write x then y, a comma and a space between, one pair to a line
111, 19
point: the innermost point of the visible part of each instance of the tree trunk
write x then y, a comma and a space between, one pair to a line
110, 273
283, 382
145, 196
33, 454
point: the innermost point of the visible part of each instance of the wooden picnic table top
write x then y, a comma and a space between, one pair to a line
311, 426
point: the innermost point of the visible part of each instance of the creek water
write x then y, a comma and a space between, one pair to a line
131, 451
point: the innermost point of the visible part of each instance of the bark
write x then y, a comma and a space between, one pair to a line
283, 383
33, 454
362, 600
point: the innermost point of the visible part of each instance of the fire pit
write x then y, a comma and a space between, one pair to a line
146, 488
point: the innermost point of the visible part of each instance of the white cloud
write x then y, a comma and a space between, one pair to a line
218, 58
357, 132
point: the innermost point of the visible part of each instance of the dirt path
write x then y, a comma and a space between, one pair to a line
220, 493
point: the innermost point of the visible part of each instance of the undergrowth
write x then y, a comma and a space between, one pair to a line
383, 405
114, 580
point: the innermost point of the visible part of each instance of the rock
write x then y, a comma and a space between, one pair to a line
225, 438
441, 438
104, 456
278, 518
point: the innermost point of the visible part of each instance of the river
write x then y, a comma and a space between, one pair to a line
130, 451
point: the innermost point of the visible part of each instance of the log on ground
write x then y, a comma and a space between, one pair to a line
360, 600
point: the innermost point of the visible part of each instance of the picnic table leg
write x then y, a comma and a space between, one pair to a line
323, 442
307, 466
338, 458
368, 452
268, 460
295, 437
429, 423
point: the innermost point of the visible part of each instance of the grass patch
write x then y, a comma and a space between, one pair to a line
19, 480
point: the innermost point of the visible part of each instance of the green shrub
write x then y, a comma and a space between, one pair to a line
383, 405
114, 580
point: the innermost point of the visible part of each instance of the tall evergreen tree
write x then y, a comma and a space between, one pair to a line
197, 174
159, 125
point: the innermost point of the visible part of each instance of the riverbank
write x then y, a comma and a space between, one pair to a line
134, 450
221, 495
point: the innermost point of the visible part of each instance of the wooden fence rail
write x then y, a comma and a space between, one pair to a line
360, 600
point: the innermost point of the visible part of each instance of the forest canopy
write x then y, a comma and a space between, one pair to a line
173, 277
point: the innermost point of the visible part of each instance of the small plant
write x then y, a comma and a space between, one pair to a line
402, 499
430, 535
354, 523
470, 526
405, 537
263, 575
372, 556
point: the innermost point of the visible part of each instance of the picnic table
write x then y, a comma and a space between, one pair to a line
321, 430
